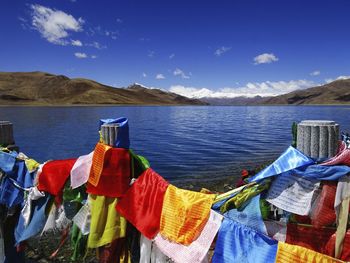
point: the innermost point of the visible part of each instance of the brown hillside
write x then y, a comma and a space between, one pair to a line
39, 88
336, 92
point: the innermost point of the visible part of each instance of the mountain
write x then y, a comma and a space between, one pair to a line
241, 100
40, 88
336, 92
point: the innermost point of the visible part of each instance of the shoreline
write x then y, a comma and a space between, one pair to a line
167, 105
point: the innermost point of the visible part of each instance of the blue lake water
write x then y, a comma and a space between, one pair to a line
182, 143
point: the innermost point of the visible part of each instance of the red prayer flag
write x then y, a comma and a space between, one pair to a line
115, 176
309, 237
330, 247
323, 214
54, 175
143, 202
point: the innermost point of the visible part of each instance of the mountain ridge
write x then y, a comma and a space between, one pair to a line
333, 93
44, 89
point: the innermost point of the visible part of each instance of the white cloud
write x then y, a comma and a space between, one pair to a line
76, 43
24, 23
338, 78
151, 54
315, 73
179, 72
93, 56
220, 51
96, 44
144, 75
54, 25
80, 55
112, 34
171, 56
265, 58
160, 76
267, 88
119, 20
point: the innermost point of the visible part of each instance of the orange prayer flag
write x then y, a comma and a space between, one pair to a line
98, 162
287, 253
184, 214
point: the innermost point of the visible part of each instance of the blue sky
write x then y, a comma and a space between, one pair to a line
195, 48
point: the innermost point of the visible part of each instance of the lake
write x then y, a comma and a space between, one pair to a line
182, 143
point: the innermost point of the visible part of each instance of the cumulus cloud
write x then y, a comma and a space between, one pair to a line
93, 56
54, 25
76, 43
80, 55
144, 75
179, 72
251, 89
220, 51
265, 58
171, 56
315, 73
151, 54
160, 76
96, 45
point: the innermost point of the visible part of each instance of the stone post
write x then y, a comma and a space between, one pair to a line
109, 133
318, 138
6, 135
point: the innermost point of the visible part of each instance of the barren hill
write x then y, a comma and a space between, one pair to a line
40, 88
336, 92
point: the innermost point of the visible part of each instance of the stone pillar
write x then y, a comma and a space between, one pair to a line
109, 133
6, 135
318, 138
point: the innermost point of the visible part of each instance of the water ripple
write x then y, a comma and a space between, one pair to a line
182, 143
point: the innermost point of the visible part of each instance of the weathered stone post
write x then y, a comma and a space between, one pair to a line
109, 133
318, 138
6, 135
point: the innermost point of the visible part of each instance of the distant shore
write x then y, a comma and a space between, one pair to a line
166, 105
